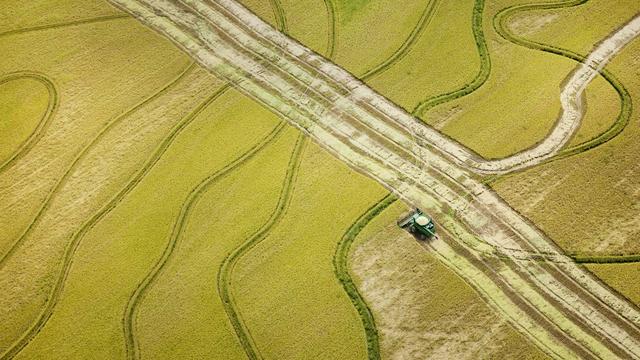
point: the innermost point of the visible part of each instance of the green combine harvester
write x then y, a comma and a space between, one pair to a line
418, 224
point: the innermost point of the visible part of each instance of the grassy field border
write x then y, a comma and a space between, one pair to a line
341, 270
605, 259
331, 28
281, 18
227, 266
45, 119
70, 250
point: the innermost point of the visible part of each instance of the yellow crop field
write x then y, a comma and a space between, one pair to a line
96, 95
133, 235
179, 180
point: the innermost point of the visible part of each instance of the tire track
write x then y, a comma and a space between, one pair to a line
368, 148
65, 24
480, 78
408, 44
52, 301
132, 346
332, 35
341, 270
80, 155
43, 123
53, 93
225, 272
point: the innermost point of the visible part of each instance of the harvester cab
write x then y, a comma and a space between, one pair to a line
418, 224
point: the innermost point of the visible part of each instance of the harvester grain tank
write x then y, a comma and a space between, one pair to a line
418, 223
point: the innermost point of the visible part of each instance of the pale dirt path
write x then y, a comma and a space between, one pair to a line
570, 99
370, 134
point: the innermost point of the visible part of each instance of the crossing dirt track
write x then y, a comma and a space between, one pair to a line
201, 197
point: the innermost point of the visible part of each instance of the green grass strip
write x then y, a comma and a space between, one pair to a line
605, 259
332, 28
341, 269
132, 345
480, 78
228, 265
281, 19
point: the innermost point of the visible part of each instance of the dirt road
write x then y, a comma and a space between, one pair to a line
520, 272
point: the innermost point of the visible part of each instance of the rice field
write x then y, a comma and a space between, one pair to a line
149, 209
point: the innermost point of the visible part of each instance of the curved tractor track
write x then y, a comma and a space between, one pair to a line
132, 345
480, 78
521, 272
44, 121
225, 273
65, 267
408, 44
341, 270
69, 171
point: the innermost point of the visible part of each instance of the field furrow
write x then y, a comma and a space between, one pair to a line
129, 316
227, 266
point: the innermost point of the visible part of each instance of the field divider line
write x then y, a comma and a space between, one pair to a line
408, 44
332, 29
341, 270
132, 345
480, 78
45, 119
279, 13
225, 272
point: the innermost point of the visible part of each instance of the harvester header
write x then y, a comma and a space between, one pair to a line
418, 223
